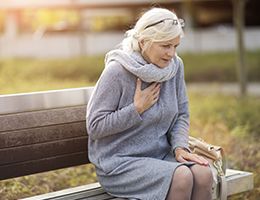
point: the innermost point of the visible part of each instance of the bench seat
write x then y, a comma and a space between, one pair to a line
237, 181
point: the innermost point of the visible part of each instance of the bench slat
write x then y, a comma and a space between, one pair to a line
89, 190
43, 134
84, 195
42, 165
42, 118
44, 100
43, 150
245, 182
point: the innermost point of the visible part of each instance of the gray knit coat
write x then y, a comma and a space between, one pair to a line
132, 153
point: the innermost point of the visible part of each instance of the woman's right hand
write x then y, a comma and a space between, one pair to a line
182, 155
144, 99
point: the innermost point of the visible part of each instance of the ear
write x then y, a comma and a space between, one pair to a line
141, 44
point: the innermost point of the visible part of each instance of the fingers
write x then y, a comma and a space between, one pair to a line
202, 160
138, 85
144, 99
198, 159
181, 155
181, 159
154, 87
155, 96
152, 92
184, 156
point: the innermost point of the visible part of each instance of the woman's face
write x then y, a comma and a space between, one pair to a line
160, 53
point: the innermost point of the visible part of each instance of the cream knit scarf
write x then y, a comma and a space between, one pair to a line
135, 63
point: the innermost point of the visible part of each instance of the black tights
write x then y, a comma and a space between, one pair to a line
191, 183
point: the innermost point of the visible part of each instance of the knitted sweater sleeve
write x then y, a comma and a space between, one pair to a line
179, 134
104, 117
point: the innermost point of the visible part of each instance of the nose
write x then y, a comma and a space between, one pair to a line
171, 52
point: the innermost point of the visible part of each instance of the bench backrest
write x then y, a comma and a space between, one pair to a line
42, 131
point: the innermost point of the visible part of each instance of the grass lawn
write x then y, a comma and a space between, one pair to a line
27, 75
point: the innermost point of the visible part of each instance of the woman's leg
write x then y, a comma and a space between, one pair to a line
202, 182
181, 186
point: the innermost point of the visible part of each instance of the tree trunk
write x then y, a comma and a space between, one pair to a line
239, 19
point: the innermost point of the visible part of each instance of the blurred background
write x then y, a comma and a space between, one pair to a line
49, 45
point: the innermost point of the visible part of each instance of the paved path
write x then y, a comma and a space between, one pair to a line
223, 88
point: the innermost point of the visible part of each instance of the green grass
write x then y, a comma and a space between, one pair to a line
219, 66
240, 115
234, 124
28, 75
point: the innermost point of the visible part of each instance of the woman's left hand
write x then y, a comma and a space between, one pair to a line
182, 155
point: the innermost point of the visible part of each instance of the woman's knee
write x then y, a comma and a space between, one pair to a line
182, 183
202, 175
183, 177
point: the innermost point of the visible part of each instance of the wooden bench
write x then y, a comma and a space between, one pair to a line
44, 131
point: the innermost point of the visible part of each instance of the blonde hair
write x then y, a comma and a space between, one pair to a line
155, 25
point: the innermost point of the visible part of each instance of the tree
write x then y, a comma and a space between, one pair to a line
239, 21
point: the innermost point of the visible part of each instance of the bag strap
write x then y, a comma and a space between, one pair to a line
221, 179
222, 188
218, 165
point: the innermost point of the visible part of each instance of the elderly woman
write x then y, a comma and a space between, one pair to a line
138, 118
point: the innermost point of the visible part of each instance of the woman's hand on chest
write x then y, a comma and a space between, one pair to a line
144, 99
